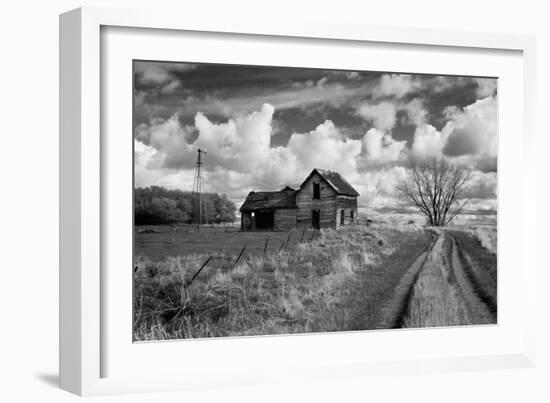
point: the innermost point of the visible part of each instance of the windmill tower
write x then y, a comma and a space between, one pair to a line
199, 201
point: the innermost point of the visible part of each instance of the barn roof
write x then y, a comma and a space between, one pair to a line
269, 200
335, 181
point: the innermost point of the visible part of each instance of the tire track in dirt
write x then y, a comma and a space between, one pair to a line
398, 307
470, 283
435, 299
477, 287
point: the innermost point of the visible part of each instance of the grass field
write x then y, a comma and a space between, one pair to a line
159, 242
313, 285
254, 283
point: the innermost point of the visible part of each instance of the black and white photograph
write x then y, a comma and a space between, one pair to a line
232, 201
272, 200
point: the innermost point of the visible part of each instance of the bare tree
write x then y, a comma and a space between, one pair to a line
436, 187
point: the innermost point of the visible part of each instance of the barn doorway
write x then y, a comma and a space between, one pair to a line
316, 219
265, 220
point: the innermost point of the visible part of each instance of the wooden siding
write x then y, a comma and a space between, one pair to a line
285, 219
346, 204
246, 221
326, 204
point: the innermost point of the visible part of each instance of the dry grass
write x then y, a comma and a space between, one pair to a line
435, 300
306, 288
487, 235
338, 280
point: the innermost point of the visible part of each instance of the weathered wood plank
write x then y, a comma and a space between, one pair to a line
326, 204
347, 204
285, 219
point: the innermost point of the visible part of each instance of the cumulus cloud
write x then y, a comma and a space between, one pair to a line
416, 113
472, 133
428, 142
382, 115
153, 75
150, 73
149, 170
242, 143
169, 139
378, 188
379, 148
469, 137
146, 172
482, 185
239, 153
176, 179
397, 85
324, 147
356, 123
241, 156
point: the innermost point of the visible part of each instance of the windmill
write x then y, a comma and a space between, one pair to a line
199, 200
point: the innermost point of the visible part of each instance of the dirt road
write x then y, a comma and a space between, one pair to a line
453, 282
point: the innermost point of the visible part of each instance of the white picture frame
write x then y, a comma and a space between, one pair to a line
84, 187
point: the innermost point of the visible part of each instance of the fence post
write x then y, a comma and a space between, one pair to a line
288, 239
238, 257
266, 243
198, 271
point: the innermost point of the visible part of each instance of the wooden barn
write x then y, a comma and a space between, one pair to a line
324, 200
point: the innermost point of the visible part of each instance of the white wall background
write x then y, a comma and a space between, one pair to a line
29, 201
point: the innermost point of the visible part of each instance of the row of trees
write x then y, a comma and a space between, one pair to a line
157, 205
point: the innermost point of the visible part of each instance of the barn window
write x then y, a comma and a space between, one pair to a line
316, 191
351, 215
342, 216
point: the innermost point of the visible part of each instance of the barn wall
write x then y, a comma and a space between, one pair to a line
246, 221
285, 219
347, 204
326, 204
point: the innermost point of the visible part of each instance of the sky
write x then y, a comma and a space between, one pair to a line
267, 127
